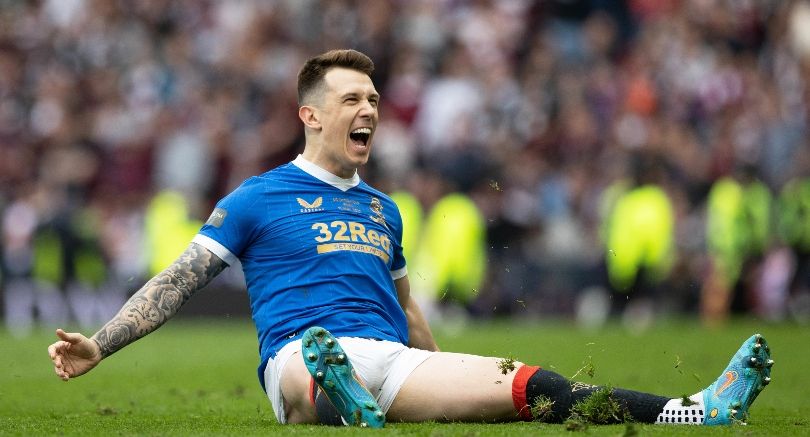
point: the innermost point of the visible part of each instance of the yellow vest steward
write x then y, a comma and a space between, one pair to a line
452, 255
168, 229
737, 224
640, 234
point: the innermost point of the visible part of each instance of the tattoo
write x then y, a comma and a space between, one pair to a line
159, 299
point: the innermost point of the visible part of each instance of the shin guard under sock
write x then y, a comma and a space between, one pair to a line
532, 383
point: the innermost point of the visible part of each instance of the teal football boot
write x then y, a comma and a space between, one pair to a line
728, 399
332, 371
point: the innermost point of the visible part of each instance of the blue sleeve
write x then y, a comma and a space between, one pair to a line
396, 228
232, 224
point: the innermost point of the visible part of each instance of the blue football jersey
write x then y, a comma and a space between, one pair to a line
315, 249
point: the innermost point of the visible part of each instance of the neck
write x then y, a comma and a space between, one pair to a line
316, 156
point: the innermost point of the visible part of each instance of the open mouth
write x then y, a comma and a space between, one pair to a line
360, 136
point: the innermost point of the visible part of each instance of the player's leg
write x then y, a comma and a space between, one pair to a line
292, 391
298, 399
456, 387
375, 363
304, 401
725, 401
463, 387
332, 371
295, 385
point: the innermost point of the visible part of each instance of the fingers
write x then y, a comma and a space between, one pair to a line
72, 337
61, 373
73, 355
59, 368
56, 350
55, 353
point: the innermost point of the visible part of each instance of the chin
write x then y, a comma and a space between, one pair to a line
359, 162
359, 159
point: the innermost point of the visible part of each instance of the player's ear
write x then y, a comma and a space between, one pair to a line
309, 115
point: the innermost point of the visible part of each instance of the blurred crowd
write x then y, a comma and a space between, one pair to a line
542, 113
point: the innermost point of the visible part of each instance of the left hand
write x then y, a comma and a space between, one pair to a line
73, 355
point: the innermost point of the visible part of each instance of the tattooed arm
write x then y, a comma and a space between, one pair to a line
150, 307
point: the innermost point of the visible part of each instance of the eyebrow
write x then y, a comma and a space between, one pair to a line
354, 94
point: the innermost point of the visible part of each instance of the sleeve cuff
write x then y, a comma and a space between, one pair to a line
216, 248
399, 273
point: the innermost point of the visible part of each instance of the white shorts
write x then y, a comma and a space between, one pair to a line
382, 365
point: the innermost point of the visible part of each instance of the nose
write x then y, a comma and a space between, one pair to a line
367, 109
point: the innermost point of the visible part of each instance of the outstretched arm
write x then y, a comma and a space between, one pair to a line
151, 306
419, 331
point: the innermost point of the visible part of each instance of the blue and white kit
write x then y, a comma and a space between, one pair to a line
315, 249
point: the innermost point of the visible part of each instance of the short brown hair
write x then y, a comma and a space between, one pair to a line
311, 76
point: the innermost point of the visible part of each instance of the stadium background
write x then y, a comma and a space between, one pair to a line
121, 123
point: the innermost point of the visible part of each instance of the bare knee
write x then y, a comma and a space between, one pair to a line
453, 387
295, 386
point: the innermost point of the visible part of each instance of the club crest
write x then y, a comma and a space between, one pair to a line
377, 208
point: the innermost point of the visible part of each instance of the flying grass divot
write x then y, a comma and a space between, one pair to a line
685, 401
587, 367
575, 422
542, 408
507, 364
600, 408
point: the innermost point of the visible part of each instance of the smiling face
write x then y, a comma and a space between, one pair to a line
341, 122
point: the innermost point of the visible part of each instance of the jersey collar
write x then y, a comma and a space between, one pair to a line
324, 176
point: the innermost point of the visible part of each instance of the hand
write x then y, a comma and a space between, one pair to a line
73, 355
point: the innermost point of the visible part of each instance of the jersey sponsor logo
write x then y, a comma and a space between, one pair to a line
217, 217
310, 207
353, 247
351, 236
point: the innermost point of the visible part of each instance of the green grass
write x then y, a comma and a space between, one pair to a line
198, 377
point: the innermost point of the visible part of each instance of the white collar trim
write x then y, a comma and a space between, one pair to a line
325, 176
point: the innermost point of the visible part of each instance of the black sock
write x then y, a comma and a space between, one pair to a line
564, 394
643, 407
326, 412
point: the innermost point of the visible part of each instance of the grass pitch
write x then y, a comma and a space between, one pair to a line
198, 377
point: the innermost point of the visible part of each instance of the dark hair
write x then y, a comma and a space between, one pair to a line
311, 76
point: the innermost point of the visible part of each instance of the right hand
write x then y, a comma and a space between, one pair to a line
73, 355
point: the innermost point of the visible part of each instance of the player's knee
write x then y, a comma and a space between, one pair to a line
299, 411
553, 387
295, 392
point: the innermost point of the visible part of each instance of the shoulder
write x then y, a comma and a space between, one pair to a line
261, 193
274, 180
373, 192
380, 200
257, 202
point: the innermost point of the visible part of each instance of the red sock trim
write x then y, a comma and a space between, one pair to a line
312, 391
519, 391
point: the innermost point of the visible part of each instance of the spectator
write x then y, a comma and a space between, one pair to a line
520, 104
